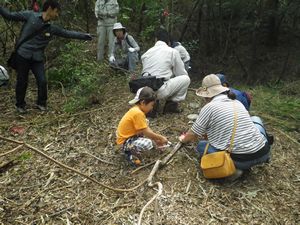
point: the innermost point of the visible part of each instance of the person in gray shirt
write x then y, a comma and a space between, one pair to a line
30, 54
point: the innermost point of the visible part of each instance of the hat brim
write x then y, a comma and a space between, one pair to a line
211, 91
133, 101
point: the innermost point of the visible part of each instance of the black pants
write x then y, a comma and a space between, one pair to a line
37, 68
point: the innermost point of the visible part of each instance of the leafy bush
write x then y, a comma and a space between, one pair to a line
77, 71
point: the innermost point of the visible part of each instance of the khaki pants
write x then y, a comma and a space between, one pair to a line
104, 30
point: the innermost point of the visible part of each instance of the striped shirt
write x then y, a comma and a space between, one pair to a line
216, 119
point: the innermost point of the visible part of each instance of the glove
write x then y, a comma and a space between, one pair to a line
112, 59
88, 37
131, 49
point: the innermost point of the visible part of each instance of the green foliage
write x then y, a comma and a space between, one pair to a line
25, 156
280, 109
80, 74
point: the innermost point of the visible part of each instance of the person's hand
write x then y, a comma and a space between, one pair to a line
88, 37
181, 137
161, 141
131, 49
112, 59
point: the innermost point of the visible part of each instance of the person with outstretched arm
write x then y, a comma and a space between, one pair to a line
30, 53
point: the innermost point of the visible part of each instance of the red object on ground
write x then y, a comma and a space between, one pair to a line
17, 130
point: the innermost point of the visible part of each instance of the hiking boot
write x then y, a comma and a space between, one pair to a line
171, 107
153, 113
21, 110
41, 108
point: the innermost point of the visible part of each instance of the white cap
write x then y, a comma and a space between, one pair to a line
136, 97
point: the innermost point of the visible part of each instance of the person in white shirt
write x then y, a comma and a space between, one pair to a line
215, 123
184, 55
163, 61
106, 12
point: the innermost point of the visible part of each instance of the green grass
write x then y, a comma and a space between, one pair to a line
279, 109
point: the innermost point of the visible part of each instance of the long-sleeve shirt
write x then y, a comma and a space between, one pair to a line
184, 55
163, 61
33, 21
120, 47
106, 9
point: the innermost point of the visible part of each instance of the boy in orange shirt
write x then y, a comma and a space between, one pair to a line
133, 132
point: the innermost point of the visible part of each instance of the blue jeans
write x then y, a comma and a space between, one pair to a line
37, 68
242, 165
128, 63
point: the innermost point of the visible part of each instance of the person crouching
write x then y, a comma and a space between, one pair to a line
133, 133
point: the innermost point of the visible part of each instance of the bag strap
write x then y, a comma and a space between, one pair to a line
128, 42
233, 132
234, 128
31, 36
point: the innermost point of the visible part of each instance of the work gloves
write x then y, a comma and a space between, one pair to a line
112, 59
88, 37
131, 49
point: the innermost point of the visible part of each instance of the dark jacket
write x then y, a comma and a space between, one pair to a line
33, 21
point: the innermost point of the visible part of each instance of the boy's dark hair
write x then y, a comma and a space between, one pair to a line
51, 3
147, 95
162, 35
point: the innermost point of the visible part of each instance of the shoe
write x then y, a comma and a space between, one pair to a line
42, 108
21, 110
171, 107
238, 173
153, 113
132, 159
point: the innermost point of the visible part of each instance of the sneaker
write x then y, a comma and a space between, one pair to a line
21, 110
132, 159
42, 108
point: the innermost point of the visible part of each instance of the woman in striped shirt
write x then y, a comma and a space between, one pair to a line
215, 123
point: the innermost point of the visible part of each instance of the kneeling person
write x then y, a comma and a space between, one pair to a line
133, 132
125, 49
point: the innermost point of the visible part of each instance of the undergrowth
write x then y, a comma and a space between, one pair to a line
278, 104
81, 75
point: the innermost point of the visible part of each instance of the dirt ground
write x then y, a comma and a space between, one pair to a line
34, 190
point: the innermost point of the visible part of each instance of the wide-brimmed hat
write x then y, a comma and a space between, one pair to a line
118, 26
211, 86
143, 94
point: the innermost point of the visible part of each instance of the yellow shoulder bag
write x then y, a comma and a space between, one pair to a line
219, 164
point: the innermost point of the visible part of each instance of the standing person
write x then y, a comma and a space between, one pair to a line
133, 132
30, 55
125, 49
163, 61
106, 12
184, 55
215, 124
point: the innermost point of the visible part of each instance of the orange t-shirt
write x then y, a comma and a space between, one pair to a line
131, 123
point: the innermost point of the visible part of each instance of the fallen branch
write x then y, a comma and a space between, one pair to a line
70, 168
158, 164
101, 160
11, 151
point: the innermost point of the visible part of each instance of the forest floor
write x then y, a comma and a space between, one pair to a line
34, 190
